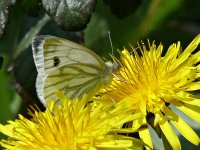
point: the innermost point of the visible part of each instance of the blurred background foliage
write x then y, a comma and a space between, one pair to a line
86, 22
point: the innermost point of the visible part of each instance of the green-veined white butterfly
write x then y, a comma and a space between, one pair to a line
69, 67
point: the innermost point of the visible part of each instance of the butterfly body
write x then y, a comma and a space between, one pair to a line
69, 67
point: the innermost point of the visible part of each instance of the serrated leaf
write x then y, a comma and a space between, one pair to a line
4, 5
3, 16
9, 2
70, 15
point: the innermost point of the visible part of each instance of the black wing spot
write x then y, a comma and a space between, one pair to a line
56, 61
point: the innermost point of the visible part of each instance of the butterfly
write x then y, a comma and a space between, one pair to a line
69, 67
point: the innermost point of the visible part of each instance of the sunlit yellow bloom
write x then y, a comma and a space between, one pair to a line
71, 126
153, 81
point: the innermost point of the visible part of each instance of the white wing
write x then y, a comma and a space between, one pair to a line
67, 66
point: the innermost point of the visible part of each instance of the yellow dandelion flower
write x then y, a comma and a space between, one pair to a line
154, 81
71, 126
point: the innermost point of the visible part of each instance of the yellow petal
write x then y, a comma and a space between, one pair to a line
182, 96
186, 53
182, 127
194, 59
169, 133
194, 86
172, 52
116, 144
8, 131
146, 138
195, 102
190, 110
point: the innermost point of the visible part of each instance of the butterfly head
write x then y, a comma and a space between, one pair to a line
109, 71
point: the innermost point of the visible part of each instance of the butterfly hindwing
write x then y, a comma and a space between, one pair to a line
73, 80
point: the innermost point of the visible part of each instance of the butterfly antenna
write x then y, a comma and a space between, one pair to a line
113, 100
119, 79
110, 42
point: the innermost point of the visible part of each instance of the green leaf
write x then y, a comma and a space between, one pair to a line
6, 94
27, 39
9, 41
70, 15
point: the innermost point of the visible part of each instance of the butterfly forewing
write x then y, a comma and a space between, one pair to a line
67, 66
60, 52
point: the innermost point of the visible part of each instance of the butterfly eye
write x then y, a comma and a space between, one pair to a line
115, 66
